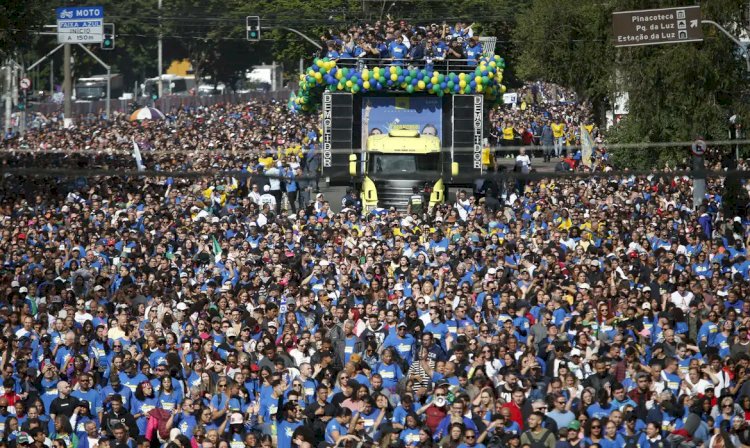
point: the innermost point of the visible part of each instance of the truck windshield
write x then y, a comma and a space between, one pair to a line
90, 92
403, 163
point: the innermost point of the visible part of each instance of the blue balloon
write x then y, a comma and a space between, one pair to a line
359, 81
443, 85
456, 88
484, 72
400, 79
473, 84
414, 82
429, 86
315, 67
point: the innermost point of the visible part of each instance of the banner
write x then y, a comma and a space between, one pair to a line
381, 114
587, 146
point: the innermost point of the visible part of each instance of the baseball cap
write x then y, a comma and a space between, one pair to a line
98, 288
401, 325
231, 333
236, 419
574, 425
23, 289
182, 306
23, 438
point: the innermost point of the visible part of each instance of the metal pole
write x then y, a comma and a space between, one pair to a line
67, 84
699, 181
51, 77
8, 99
109, 91
742, 45
159, 45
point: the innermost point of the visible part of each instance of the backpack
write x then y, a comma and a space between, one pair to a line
539, 443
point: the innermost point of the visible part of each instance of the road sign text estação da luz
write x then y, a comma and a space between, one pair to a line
657, 26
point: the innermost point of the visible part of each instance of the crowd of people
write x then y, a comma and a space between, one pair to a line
548, 121
400, 42
214, 311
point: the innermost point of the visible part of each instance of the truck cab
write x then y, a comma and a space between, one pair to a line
396, 162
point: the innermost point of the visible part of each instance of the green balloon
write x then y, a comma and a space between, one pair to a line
451, 84
485, 80
441, 77
399, 70
410, 88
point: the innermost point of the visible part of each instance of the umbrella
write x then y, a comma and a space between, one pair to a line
147, 113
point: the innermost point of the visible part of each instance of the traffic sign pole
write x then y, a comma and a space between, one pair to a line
699, 169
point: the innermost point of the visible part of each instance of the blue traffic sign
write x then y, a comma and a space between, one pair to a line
80, 24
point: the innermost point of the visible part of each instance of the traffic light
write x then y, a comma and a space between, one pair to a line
253, 28
108, 37
154, 92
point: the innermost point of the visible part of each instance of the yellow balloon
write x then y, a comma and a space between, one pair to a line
493, 64
366, 84
435, 74
393, 69
349, 84
462, 76
319, 63
394, 77
434, 80
339, 74
331, 64
478, 79
479, 88
490, 75
318, 76
340, 86
311, 72
462, 83
420, 85
365, 75
502, 89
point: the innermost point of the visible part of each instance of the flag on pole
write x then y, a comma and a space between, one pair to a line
137, 156
587, 146
216, 248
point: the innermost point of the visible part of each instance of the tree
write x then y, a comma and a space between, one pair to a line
19, 18
676, 92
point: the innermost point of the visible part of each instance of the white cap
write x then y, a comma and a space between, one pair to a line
584, 286
491, 271
266, 188
398, 287
575, 352
62, 314
23, 289
14, 284
182, 306
236, 419
98, 288
646, 306
324, 263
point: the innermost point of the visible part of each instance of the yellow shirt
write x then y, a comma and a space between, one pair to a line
558, 130
508, 133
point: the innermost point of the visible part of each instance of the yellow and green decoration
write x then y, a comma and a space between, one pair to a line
324, 74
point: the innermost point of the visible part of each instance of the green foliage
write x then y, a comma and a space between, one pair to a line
17, 19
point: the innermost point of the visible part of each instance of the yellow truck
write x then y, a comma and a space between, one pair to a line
396, 162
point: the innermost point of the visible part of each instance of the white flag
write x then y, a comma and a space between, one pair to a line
137, 156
